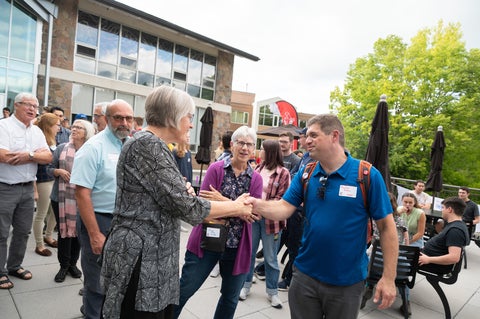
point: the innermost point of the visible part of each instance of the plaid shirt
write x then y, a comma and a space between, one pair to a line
277, 186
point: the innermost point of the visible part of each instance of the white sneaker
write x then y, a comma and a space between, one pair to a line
215, 271
244, 293
275, 301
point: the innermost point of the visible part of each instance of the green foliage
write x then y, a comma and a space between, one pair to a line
432, 81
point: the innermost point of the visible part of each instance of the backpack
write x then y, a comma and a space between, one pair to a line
364, 181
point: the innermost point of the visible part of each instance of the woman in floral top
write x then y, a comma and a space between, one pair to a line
225, 180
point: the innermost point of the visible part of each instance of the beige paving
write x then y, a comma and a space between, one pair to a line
42, 298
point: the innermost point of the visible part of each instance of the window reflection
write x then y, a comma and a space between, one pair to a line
87, 28
109, 37
146, 58
180, 58
195, 68
129, 47
164, 59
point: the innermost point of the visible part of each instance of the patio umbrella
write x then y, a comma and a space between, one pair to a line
277, 130
203, 155
435, 179
377, 150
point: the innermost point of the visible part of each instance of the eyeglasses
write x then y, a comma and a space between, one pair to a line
97, 115
120, 118
77, 127
28, 104
191, 117
242, 144
322, 189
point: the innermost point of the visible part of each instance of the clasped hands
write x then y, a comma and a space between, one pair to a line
242, 204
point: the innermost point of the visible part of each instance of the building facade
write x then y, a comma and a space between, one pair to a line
76, 53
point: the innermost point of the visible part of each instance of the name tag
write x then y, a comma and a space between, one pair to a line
348, 191
212, 232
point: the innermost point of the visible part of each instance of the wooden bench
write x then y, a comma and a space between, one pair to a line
435, 279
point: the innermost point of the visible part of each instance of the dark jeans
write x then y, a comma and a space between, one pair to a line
93, 295
196, 270
294, 240
68, 247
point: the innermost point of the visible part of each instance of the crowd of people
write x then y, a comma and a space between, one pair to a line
117, 191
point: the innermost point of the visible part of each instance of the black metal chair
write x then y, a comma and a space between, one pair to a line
450, 278
407, 265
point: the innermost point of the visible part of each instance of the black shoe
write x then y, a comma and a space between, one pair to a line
259, 254
402, 310
367, 295
260, 274
283, 285
60, 276
74, 272
82, 310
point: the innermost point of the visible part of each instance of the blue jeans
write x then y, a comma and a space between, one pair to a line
93, 295
196, 270
270, 244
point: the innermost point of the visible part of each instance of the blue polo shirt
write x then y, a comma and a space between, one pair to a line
95, 167
333, 247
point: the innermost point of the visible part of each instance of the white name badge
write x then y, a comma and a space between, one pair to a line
212, 232
348, 191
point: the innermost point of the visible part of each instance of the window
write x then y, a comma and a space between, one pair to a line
239, 117
267, 118
112, 50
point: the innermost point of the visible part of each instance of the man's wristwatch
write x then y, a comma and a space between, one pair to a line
30, 155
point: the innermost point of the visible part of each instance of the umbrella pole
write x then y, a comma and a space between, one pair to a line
200, 179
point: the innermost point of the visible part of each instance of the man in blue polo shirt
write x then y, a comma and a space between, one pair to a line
331, 266
94, 174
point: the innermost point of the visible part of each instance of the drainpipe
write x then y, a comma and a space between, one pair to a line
48, 59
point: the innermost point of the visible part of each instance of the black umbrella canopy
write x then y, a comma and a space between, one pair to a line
435, 179
377, 150
203, 153
277, 130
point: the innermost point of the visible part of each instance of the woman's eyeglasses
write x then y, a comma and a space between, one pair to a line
77, 127
323, 188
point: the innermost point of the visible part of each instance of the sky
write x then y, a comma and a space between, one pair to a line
306, 46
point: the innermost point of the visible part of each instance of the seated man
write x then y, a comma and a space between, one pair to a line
444, 249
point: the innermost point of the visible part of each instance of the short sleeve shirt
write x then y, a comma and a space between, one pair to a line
16, 137
95, 167
333, 247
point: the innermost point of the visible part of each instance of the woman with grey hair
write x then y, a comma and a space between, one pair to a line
141, 254
224, 180
63, 200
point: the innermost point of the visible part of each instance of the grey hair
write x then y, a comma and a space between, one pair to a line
103, 106
165, 106
328, 123
244, 131
25, 96
89, 129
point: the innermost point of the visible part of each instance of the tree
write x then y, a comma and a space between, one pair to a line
433, 81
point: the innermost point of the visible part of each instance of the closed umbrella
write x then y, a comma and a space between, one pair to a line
435, 179
203, 155
377, 150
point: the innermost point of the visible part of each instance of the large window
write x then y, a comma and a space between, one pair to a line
115, 51
239, 117
18, 49
267, 118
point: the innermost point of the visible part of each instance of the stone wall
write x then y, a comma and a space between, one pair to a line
223, 89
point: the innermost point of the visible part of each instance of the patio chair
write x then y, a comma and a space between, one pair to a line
450, 278
407, 265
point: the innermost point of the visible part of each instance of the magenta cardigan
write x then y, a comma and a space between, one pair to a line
214, 177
